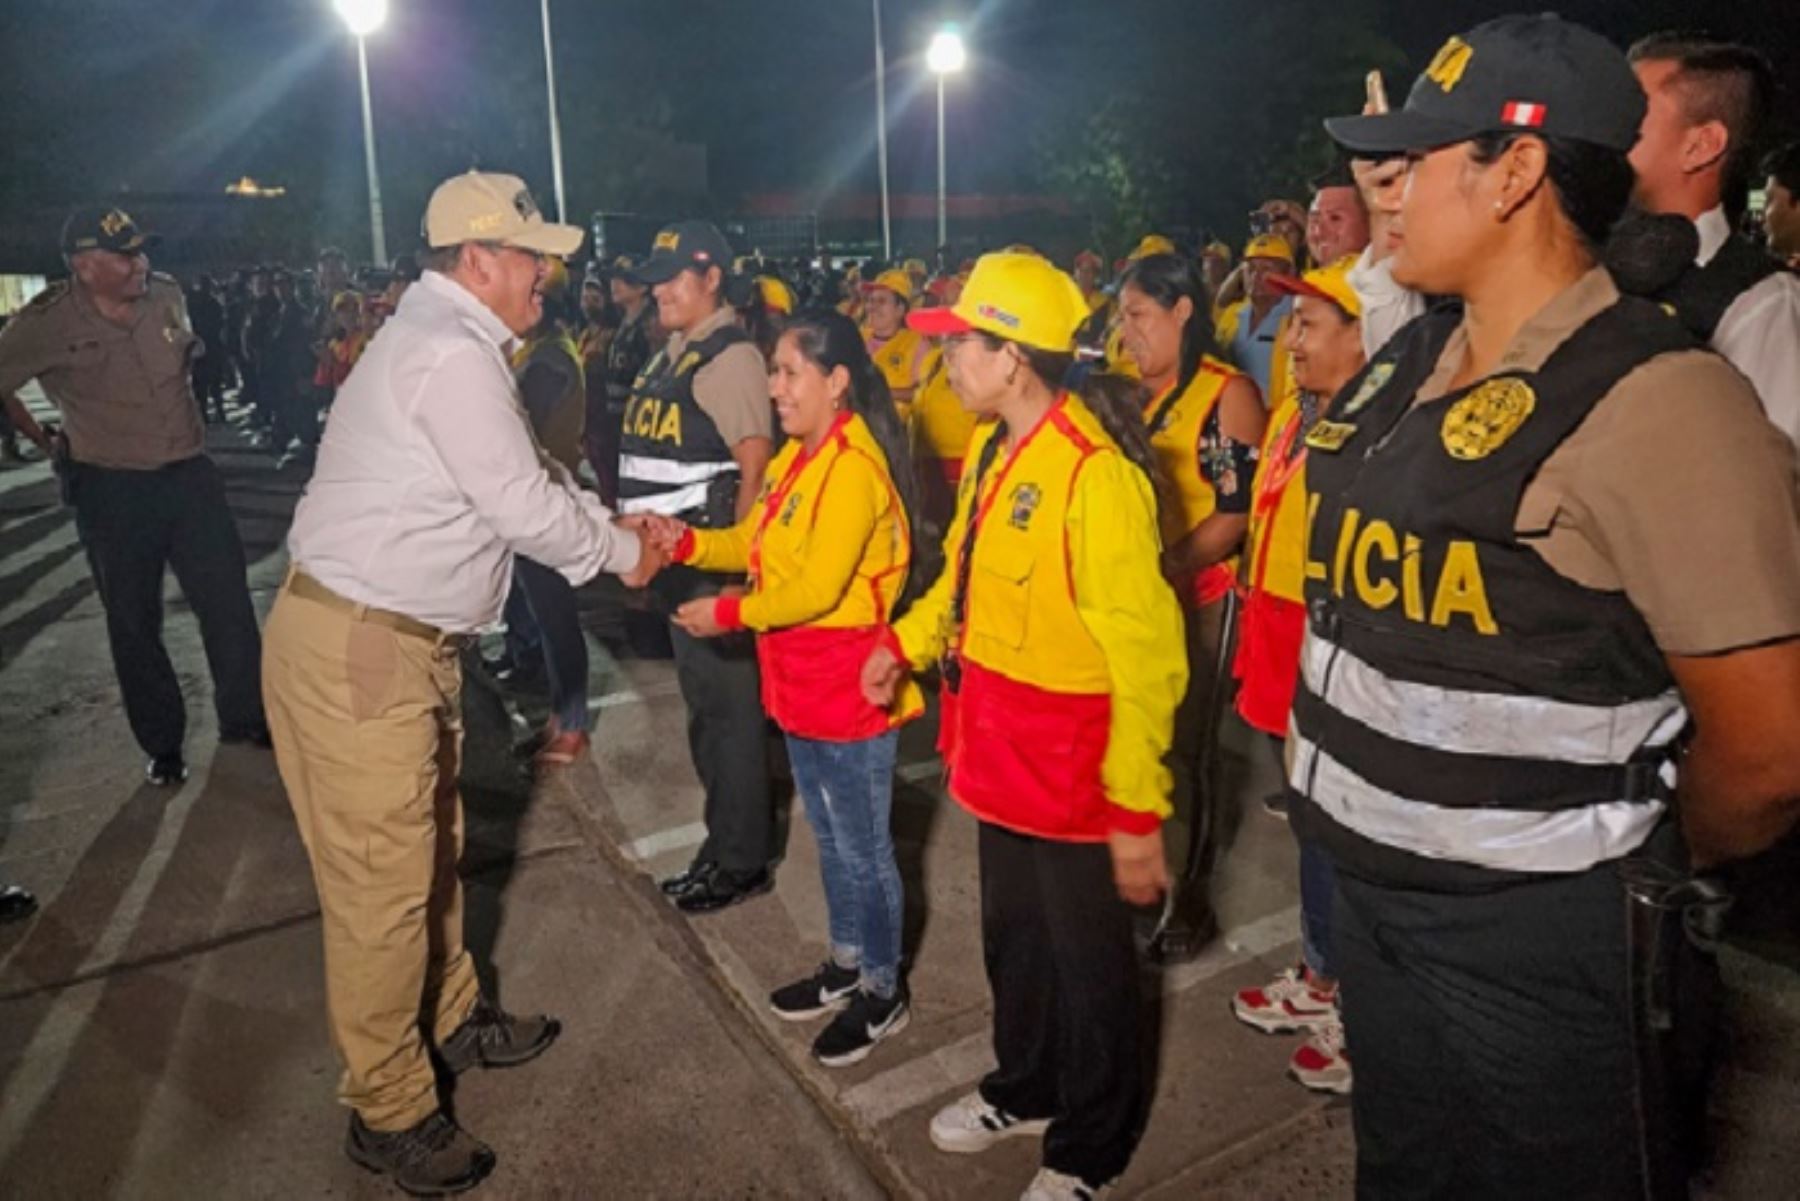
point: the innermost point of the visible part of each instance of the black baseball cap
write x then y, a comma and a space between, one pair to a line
684, 245
104, 229
1539, 73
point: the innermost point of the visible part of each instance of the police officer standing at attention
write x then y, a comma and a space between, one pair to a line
112, 348
428, 485
1552, 661
699, 432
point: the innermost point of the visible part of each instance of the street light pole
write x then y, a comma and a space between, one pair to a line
377, 227
363, 18
887, 232
946, 55
556, 160
943, 192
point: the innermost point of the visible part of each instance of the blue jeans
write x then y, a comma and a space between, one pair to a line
848, 790
1318, 883
554, 627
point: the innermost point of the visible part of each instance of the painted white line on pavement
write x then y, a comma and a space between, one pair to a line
913, 773
960, 1064
951, 1067
1238, 945
41, 1063
632, 696
664, 841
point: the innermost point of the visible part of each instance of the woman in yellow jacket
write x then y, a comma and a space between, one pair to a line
1056, 635
827, 547
1205, 422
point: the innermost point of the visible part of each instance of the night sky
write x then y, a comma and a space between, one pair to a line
153, 95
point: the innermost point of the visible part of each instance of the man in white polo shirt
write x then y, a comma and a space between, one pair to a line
428, 483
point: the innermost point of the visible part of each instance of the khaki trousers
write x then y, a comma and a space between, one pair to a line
368, 736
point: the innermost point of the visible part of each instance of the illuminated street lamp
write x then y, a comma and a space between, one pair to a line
887, 229
944, 56
364, 17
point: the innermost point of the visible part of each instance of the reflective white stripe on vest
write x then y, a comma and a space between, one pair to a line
1487, 723
668, 471
667, 503
1564, 840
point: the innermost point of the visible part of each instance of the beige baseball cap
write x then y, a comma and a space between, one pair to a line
479, 207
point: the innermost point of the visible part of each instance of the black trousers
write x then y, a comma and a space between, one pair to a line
1491, 1036
1068, 1015
727, 730
131, 524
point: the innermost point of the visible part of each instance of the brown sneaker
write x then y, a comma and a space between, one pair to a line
433, 1159
491, 1038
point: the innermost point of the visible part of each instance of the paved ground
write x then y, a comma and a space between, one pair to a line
161, 1021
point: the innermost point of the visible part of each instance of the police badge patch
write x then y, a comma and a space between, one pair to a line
1025, 500
1481, 422
1372, 383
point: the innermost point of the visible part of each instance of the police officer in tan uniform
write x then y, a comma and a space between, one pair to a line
111, 347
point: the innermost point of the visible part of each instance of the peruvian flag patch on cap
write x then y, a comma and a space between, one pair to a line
1521, 112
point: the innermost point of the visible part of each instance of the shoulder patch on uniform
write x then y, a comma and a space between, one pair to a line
1481, 422
1372, 383
50, 295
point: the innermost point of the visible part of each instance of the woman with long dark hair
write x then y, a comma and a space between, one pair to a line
1057, 638
1205, 423
828, 548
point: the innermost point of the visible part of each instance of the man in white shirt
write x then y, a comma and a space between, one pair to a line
1708, 102
428, 483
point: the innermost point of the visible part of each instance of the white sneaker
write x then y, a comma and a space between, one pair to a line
971, 1125
1286, 1004
1050, 1185
1320, 1063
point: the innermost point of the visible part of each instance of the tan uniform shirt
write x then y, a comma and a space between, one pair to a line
123, 391
1676, 490
733, 389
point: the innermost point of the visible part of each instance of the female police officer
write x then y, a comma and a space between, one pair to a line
1059, 645
1547, 534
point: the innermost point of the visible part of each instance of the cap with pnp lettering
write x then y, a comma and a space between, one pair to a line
1540, 74
104, 229
479, 207
684, 245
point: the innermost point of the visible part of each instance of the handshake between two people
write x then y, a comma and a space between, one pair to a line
661, 538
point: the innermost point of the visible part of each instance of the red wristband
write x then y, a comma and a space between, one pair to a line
727, 611
1131, 821
684, 549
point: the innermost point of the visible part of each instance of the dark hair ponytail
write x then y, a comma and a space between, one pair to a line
1116, 401
829, 340
1166, 279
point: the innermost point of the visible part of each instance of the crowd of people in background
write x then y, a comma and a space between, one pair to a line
1091, 597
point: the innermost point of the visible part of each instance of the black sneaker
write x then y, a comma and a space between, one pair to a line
864, 1022
823, 992
491, 1038
687, 877
721, 889
16, 904
433, 1159
166, 771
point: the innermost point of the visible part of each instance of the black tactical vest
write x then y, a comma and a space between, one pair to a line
1467, 716
1703, 294
672, 458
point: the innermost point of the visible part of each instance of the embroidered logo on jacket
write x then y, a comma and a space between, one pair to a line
1481, 422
